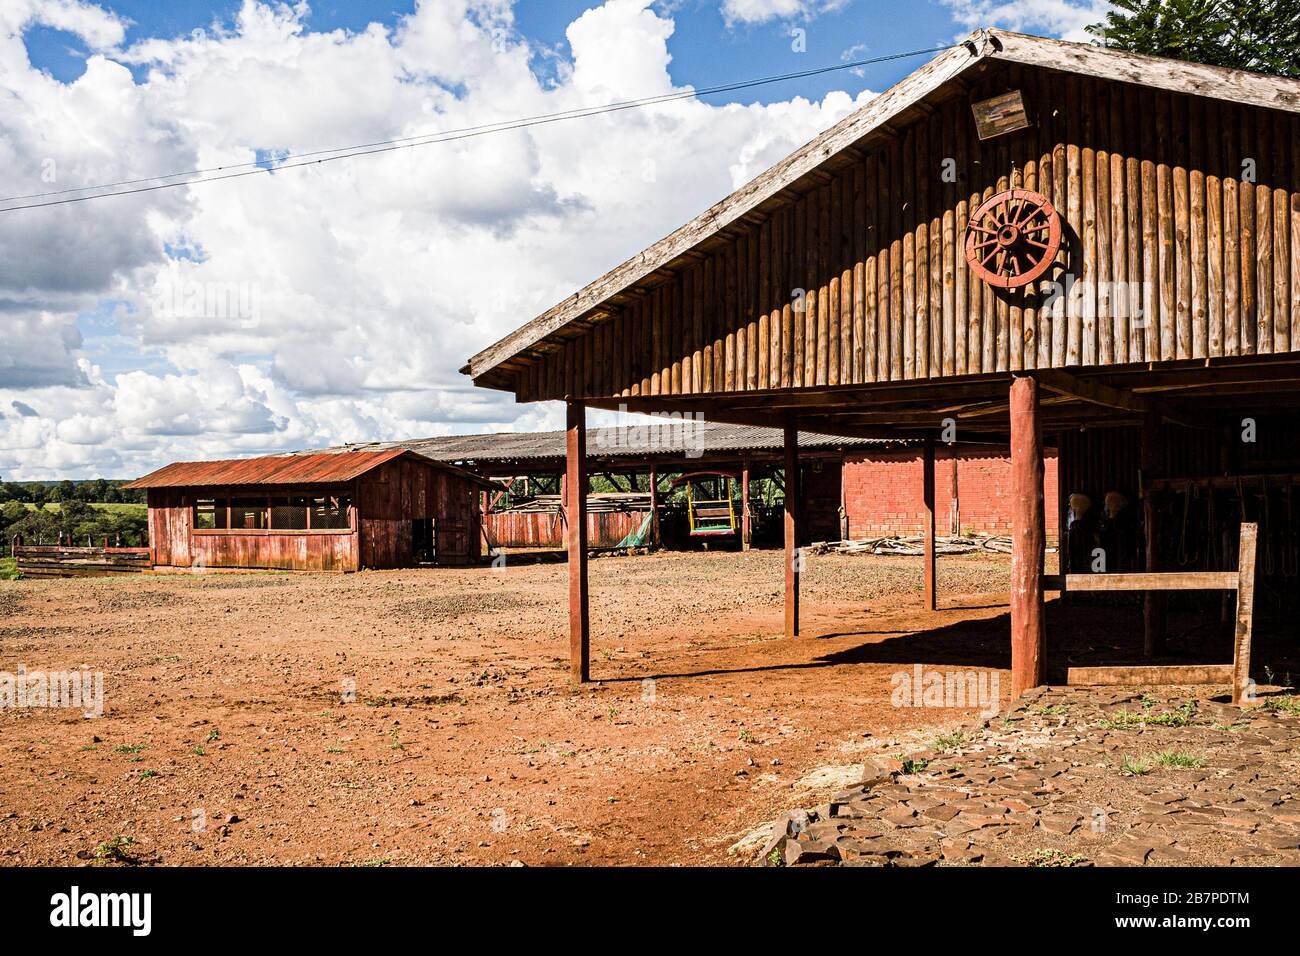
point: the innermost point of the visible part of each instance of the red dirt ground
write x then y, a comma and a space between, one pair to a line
465, 742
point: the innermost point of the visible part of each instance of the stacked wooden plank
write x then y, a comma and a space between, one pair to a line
596, 504
55, 561
896, 544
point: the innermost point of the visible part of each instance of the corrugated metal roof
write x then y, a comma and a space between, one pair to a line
291, 469
622, 441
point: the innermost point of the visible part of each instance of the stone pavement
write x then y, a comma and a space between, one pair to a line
1074, 777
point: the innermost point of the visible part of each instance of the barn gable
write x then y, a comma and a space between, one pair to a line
1176, 189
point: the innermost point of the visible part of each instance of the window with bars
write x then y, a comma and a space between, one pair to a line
330, 511
248, 514
211, 514
290, 514
278, 513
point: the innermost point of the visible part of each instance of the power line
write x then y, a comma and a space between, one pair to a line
385, 146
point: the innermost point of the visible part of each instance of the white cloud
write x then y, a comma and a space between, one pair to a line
1066, 19
334, 303
100, 29
762, 11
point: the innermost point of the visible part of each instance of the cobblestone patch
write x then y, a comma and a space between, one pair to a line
1073, 777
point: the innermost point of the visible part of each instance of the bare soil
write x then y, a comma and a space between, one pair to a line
426, 717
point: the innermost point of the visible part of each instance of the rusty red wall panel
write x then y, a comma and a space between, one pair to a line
402, 491
169, 528
284, 552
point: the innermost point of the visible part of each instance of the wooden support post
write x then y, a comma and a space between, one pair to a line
654, 505
575, 513
744, 505
793, 557
1028, 537
1062, 517
1245, 613
954, 513
927, 492
1153, 607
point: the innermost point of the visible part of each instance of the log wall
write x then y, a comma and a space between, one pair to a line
1181, 216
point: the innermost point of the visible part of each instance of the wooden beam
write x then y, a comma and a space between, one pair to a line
575, 515
1028, 538
1245, 612
1134, 676
793, 557
1160, 581
928, 598
1097, 393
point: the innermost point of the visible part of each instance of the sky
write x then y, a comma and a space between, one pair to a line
335, 303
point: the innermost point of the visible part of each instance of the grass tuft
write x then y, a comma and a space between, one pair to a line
1134, 767
1179, 758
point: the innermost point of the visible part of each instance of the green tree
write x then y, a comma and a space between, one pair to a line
11, 512
36, 527
1258, 35
65, 490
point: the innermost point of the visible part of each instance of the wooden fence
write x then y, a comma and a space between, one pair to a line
1242, 581
65, 561
545, 529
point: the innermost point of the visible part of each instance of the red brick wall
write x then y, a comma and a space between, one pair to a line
882, 493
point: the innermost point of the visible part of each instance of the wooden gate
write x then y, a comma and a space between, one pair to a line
1242, 581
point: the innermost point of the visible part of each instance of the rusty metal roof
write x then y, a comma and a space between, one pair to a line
281, 469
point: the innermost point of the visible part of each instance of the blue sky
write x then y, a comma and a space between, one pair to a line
706, 50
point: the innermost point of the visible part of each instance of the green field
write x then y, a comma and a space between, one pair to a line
131, 509
8, 569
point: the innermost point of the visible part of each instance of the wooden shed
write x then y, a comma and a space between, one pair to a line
850, 487
1024, 236
314, 512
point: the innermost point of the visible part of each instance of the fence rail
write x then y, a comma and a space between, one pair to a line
65, 561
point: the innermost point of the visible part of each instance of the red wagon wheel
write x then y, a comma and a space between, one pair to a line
1012, 238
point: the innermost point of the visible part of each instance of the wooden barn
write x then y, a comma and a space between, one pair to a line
1025, 239
313, 512
851, 488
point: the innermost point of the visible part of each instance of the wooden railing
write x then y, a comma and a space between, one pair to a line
1242, 581
64, 561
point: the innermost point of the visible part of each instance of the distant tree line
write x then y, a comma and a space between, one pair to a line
100, 490
24, 510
